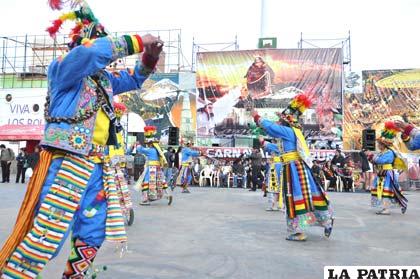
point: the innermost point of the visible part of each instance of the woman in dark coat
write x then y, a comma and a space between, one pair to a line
367, 170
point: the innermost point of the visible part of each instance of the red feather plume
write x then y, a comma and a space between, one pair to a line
149, 128
390, 125
304, 100
55, 4
120, 106
76, 30
52, 30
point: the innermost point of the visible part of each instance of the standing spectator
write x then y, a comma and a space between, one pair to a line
266, 172
6, 157
256, 160
170, 158
33, 158
22, 165
367, 170
139, 162
338, 159
238, 170
248, 173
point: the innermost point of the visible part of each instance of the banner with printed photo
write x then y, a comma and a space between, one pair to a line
166, 100
231, 83
387, 95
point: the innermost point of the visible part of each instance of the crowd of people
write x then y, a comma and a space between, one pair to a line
77, 189
24, 161
339, 173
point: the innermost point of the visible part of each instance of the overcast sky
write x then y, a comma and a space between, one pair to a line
384, 33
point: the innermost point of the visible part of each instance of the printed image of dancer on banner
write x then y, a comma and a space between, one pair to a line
259, 79
73, 189
267, 79
205, 119
386, 95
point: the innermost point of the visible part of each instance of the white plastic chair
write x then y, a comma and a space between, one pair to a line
216, 178
205, 174
339, 184
326, 184
230, 177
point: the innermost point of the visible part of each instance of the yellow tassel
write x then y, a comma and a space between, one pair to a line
68, 16
86, 42
293, 104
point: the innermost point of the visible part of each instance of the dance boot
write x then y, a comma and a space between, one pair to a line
328, 229
296, 237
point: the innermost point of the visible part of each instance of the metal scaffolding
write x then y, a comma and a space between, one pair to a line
343, 43
203, 47
25, 59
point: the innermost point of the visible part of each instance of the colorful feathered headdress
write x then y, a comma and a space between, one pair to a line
150, 134
86, 26
295, 109
388, 133
120, 109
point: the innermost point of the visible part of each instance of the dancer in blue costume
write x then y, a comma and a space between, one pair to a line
152, 181
273, 179
78, 193
385, 192
185, 172
306, 202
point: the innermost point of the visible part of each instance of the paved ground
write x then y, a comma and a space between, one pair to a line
225, 233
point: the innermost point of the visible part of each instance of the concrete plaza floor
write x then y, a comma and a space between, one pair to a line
225, 233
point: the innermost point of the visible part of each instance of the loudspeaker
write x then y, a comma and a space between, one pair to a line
140, 138
173, 136
256, 143
369, 139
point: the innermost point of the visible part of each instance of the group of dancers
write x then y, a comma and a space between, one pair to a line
152, 182
385, 193
77, 186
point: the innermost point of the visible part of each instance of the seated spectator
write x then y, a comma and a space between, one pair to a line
226, 170
330, 175
347, 176
316, 171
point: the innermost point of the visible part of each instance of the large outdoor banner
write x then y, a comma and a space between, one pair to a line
231, 83
166, 100
387, 95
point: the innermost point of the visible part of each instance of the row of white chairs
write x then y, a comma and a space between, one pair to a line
339, 185
208, 174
